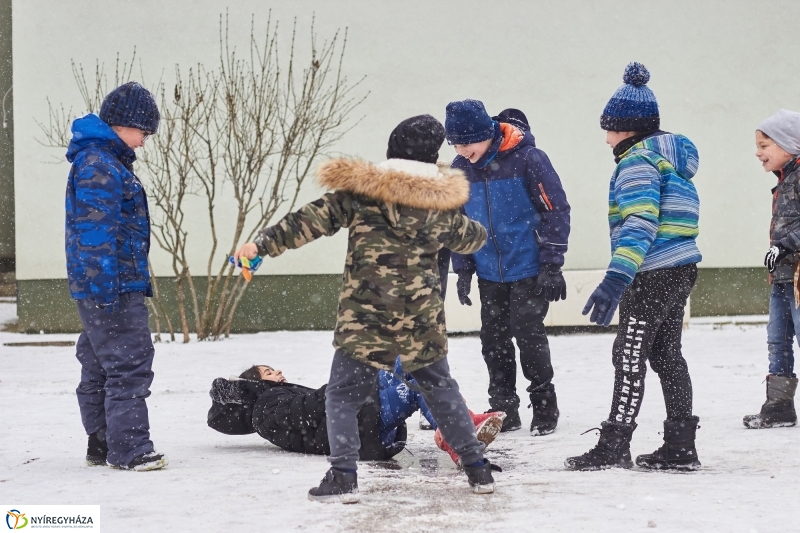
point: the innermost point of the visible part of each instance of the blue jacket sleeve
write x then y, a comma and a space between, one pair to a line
551, 201
98, 208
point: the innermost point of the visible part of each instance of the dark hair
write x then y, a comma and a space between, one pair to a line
252, 373
764, 134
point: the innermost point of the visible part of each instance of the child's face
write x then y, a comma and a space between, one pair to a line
270, 374
473, 151
133, 137
613, 138
772, 156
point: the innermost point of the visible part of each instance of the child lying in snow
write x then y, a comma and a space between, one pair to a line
293, 417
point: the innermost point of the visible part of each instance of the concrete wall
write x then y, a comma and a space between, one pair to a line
717, 70
7, 247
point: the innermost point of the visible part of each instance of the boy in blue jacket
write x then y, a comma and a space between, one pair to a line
517, 196
107, 244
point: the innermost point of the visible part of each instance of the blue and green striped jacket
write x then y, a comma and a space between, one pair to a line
653, 207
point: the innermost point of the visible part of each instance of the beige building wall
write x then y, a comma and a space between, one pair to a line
717, 69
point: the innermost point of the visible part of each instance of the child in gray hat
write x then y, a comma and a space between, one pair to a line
778, 149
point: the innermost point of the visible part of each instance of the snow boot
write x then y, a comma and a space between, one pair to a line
97, 449
424, 424
613, 449
145, 462
678, 451
512, 421
487, 426
545, 410
480, 477
778, 411
337, 486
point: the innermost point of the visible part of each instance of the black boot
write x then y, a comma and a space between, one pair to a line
480, 478
97, 450
778, 411
545, 409
512, 421
613, 450
336, 486
678, 451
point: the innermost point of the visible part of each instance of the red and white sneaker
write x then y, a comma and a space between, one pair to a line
487, 426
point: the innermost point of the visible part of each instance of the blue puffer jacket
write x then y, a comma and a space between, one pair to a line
107, 222
517, 196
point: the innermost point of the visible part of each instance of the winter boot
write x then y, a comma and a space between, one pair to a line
778, 411
336, 486
545, 410
424, 424
678, 451
613, 450
512, 421
487, 426
145, 462
97, 450
480, 477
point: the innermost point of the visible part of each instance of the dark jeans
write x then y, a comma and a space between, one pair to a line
349, 386
116, 354
650, 328
783, 327
512, 310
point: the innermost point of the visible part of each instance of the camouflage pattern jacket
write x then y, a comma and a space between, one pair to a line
399, 215
107, 222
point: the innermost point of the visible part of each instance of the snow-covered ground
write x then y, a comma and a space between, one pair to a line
749, 479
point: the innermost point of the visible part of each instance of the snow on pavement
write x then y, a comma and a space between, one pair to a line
217, 482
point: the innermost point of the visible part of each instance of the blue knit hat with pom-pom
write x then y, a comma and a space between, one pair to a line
633, 106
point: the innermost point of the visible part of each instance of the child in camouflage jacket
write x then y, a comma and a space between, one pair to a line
399, 215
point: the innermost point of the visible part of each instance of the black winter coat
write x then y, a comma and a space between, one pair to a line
292, 417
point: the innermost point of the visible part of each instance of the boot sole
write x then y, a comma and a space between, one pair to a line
538, 432
96, 462
666, 466
511, 428
155, 465
771, 425
489, 430
483, 489
626, 465
351, 497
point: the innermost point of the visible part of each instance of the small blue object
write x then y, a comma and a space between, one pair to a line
254, 263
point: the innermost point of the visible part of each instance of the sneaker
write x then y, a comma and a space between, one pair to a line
480, 477
613, 449
145, 462
337, 486
424, 424
678, 451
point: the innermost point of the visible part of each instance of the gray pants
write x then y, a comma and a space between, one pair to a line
349, 387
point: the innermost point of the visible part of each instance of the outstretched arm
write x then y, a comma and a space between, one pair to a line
320, 218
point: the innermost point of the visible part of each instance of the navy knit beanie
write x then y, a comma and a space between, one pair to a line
131, 106
468, 122
417, 138
633, 106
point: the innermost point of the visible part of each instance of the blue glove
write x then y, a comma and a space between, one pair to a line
463, 286
605, 300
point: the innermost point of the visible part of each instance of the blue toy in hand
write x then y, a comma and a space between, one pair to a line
248, 266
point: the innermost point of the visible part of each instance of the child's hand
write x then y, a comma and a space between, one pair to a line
248, 250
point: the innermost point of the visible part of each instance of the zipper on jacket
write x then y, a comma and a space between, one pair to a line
491, 231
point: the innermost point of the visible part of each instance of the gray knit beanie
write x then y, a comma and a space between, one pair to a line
784, 128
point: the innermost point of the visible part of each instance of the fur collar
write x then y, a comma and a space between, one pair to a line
409, 183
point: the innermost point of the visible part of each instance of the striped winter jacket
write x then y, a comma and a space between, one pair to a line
653, 207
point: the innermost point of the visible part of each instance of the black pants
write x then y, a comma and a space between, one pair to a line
650, 327
512, 310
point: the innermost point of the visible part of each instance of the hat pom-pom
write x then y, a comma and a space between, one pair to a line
636, 74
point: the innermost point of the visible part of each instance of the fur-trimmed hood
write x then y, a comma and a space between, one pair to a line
398, 181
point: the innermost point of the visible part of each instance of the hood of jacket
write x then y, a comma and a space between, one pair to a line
404, 188
508, 139
89, 131
677, 149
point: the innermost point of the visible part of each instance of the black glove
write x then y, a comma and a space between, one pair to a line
463, 285
224, 391
774, 256
550, 283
